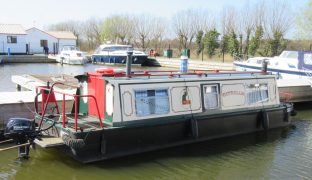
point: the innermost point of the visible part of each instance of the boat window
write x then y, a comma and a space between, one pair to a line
293, 55
211, 96
69, 48
120, 48
259, 61
148, 102
106, 49
291, 65
257, 93
116, 48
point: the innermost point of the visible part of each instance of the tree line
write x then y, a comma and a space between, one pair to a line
253, 29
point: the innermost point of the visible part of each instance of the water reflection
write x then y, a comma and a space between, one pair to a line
273, 154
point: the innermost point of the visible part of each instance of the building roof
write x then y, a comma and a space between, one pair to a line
15, 29
62, 34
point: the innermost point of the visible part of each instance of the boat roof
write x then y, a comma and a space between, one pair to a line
114, 45
167, 76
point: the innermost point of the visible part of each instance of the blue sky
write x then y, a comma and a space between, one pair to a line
44, 12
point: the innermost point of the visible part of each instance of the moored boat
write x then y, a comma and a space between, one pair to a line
71, 55
115, 114
288, 65
117, 54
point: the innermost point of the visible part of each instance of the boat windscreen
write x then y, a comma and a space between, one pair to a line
116, 48
70, 48
289, 54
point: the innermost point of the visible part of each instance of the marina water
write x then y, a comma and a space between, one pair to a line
276, 154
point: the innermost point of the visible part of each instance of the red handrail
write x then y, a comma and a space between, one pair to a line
178, 74
75, 96
46, 103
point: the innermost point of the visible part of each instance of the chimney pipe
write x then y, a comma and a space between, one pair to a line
129, 61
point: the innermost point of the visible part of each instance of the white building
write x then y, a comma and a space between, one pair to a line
54, 40
12, 39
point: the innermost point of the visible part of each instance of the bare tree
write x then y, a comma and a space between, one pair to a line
228, 28
259, 12
158, 32
277, 22
278, 19
248, 25
92, 32
228, 20
202, 20
143, 30
186, 24
304, 23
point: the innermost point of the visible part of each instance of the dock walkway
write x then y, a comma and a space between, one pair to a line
30, 82
196, 64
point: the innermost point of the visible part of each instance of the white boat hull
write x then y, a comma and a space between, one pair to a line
72, 60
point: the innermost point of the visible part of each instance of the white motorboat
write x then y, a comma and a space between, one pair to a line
288, 65
71, 55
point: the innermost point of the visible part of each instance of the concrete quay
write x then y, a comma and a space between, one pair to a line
26, 59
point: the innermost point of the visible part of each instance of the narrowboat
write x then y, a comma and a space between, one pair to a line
115, 114
117, 54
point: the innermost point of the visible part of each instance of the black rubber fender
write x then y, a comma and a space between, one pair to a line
73, 143
194, 128
265, 121
293, 112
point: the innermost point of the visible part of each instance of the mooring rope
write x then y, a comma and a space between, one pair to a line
6, 141
16, 146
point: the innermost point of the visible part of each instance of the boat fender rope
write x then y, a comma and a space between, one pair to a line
286, 111
265, 121
286, 117
73, 143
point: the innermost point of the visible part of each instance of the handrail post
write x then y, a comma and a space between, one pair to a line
76, 111
98, 111
63, 110
36, 101
46, 103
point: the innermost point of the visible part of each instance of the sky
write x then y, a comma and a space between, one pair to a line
41, 13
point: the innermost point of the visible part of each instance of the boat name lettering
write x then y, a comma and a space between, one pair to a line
233, 93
